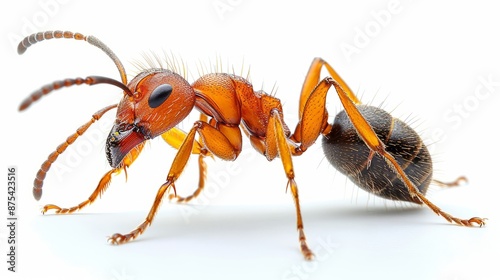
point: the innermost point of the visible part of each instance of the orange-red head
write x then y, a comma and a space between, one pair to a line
160, 99
154, 101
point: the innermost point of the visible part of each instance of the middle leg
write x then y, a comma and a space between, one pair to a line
276, 139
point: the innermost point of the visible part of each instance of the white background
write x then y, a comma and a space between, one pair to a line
426, 60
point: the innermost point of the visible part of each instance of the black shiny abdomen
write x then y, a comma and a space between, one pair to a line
349, 154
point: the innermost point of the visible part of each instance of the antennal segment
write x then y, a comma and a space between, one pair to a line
47, 35
96, 42
91, 80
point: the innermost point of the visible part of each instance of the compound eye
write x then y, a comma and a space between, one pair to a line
159, 95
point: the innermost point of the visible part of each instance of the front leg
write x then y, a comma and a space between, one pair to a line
103, 183
202, 168
175, 137
101, 187
213, 139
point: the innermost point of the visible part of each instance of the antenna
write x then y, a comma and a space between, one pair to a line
47, 35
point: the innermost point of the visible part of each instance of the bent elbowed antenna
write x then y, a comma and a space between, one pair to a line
91, 80
47, 35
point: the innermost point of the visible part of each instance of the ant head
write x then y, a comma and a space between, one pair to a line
160, 99
154, 101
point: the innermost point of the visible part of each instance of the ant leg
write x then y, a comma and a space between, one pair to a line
214, 140
277, 141
459, 181
202, 166
312, 79
42, 172
312, 105
175, 137
101, 187
313, 120
365, 132
118, 238
178, 165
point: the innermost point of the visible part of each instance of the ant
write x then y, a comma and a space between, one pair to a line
379, 153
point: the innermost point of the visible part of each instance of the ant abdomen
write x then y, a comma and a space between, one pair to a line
349, 154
